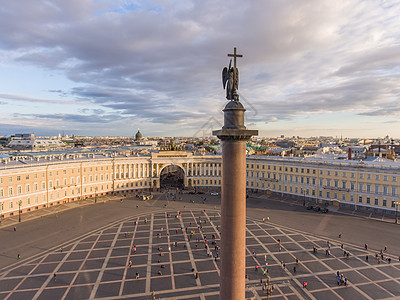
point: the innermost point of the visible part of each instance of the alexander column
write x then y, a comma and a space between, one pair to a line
233, 136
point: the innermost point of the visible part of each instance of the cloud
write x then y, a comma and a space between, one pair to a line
20, 98
161, 62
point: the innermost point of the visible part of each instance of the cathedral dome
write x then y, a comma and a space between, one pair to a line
138, 135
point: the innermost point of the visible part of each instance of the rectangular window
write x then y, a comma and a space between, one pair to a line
368, 188
385, 190
385, 178
360, 199
344, 184
376, 188
394, 191
376, 201
361, 176
368, 200
394, 179
384, 203
344, 174
368, 176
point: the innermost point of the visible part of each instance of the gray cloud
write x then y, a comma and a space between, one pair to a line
161, 63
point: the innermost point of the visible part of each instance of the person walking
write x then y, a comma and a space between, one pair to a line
137, 275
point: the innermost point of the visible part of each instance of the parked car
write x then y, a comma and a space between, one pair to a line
214, 194
325, 210
310, 207
317, 208
192, 193
200, 193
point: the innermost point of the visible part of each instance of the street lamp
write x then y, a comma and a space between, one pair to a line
304, 196
19, 210
396, 204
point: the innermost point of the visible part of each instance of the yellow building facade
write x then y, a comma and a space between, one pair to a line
28, 185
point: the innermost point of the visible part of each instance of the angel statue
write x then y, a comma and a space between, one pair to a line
230, 82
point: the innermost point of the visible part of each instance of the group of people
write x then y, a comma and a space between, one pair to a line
341, 279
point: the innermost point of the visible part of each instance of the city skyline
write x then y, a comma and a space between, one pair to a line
314, 68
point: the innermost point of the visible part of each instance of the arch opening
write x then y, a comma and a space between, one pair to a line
172, 176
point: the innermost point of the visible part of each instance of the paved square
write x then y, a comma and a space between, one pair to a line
176, 255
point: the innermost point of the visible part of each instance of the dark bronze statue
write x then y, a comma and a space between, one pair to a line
230, 78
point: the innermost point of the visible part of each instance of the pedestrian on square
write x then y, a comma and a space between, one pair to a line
15, 228
265, 257
137, 275
130, 264
304, 284
18, 256
340, 235
294, 269
366, 246
197, 275
297, 261
256, 267
366, 258
54, 276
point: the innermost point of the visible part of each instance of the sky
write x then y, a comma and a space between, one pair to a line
109, 67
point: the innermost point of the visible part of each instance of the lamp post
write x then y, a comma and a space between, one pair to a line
1, 211
95, 194
19, 210
396, 204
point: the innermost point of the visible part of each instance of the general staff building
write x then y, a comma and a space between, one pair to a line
31, 183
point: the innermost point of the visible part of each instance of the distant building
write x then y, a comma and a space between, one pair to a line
138, 136
28, 141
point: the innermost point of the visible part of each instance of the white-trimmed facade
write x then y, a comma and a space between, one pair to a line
38, 183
